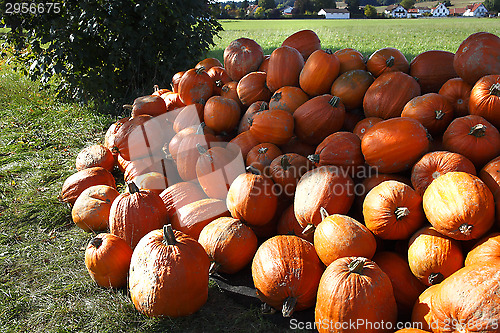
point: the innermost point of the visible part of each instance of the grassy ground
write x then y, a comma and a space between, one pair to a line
44, 286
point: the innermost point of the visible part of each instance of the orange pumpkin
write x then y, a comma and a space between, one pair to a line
178, 195
274, 126
421, 314
175, 81
485, 251
485, 99
364, 125
220, 77
95, 156
229, 90
350, 59
154, 181
91, 209
245, 141
386, 60
242, 56
188, 116
490, 175
246, 119
221, 114
459, 205
351, 87
286, 171
457, 91
195, 86
286, 271
168, 274
208, 63
285, 65
230, 244
288, 225
152, 105
107, 258
252, 88
305, 41
261, 156
432, 69
319, 71
288, 98
75, 184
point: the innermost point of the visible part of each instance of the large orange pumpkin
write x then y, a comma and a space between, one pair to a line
387, 59
91, 209
288, 98
457, 91
285, 65
485, 99
432, 69
168, 274
195, 86
273, 126
252, 88
421, 314
221, 114
78, 182
485, 251
350, 59
305, 41
319, 72
351, 87
459, 205
355, 290
242, 56
178, 195
286, 271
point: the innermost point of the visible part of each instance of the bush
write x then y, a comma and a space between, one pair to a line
111, 50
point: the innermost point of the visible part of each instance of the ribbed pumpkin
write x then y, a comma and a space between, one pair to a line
477, 56
286, 171
459, 205
421, 314
288, 225
305, 41
350, 59
433, 257
251, 198
193, 217
351, 87
252, 88
485, 99
437, 163
265, 63
217, 168
261, 156
394, 145
432, 110
490, 175
246, 119
273, 126
388, 95
208, 63
135, 213
432, 69
342, 149
385, 60
152, 105
221, 114
286, 271
355, 289
242, 56
474, 137
319, 117
107, 258
173, 145
457, 91
168, 274
78, 182
407, 288
230, 244
175, 81
195, 86
364, 125
393, 210
91, 209
468, 300
285, 65
338, 236
230, 90
319, 71
178, 195
220, 77
95, 156
327, 187
288, 98
485, 251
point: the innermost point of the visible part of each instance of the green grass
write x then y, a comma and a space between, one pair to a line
44, 286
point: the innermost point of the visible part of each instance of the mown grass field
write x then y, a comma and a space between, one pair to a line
44, 286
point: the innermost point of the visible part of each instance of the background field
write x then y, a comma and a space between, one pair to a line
44, 286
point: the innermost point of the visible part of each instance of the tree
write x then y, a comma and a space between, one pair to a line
370, 11
492, 5
353, 6
259, 13
244, 4
301, 6
267, 4
324, 4
111, 50
407, 4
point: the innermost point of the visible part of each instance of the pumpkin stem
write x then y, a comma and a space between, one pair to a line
439, 114
465, 229
436, 174
357, 265
277, 96
201, 128
168, 235
435, 278
253, 170
334, 101
202, 150
263, 106
218, 83
262, 150
132, 187
96, 242
308, 230
401, 212
128, 106
288, 306
214, 267
478, 130
328, 51
267, 309
250, 121
155, 88
390, 62
285, 162
495, 89
200, 70
314, 158
225, 88
324, 213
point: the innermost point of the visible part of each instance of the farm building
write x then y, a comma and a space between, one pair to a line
335, 13
476, 10
440, 10
396, 10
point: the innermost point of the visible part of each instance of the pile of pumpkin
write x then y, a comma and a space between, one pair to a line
356, 186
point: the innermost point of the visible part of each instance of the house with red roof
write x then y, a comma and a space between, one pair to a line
476, 10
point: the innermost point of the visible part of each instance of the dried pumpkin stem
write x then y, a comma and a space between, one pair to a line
324, 213
277, 96
214, 267
263, 106
401, 212
495, 89
478, 130
128, 106
267, 309
314, 158
440, 114
201, 128
328, 51
308, 230
435, 278
225, 88
200, 70
288, 306
202, 150
168, 235
285, 162
390, 62
253, 170
262, 150
465, 229
132, 187
156, 88
357, 265
334, 101
219, 83
96, 242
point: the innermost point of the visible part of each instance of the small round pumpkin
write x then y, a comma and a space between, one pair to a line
242, 56
484, 99
208, 63
261, 156
386, 60
459, 205
252, 88
350, 59
246, 119
219, 77
485, 251
107, 258
288, 98
351, 87
286, 171
91, 209
319, 71
195, 86
152, 105
221, 114
364, 125
78, 182
168, 274
457, 91
286, 271
95, 156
